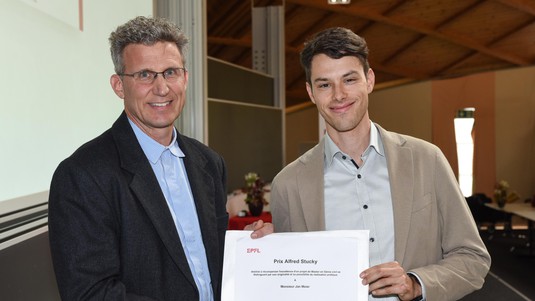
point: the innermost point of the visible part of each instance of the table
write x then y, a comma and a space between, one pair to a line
526, 211
514, 208
238, 222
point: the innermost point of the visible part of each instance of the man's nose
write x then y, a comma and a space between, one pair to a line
339, 93
159, 86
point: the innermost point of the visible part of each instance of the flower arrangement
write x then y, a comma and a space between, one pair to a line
500, 192
254, 189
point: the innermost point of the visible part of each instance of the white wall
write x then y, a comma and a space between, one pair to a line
54, 85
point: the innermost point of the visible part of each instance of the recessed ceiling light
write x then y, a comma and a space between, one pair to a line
339, 1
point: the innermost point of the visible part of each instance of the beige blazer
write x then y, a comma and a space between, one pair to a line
435, 234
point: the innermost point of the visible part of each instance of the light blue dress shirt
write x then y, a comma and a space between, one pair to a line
167, 162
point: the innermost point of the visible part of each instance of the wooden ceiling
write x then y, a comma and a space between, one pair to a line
409, 40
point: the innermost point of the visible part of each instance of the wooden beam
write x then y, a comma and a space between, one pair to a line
413, 25
527, 6
262, 3
230, 42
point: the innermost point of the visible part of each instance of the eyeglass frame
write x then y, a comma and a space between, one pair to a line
135, 75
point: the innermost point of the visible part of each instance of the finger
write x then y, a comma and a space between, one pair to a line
250, 227
266, 229
398, 289
382, 275
254, 226
393, 284
258, 224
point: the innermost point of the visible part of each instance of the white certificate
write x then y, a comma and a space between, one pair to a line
295, 266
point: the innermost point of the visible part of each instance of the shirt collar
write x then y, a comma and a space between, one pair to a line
152, 149
375, 141
331, 149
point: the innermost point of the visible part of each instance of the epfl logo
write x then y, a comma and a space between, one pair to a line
253, 250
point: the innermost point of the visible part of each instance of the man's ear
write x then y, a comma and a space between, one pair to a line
310, 93
186, 79
370, 80
117, 85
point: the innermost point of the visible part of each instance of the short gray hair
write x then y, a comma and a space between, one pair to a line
147, 31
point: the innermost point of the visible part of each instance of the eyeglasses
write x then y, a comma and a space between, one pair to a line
148, 76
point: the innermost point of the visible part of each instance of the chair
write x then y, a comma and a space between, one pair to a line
486, 216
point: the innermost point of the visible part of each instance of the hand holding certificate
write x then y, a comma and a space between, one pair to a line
295, 266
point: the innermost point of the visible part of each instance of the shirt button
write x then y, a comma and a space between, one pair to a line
359, 176
372, 239
344, 157
365, 206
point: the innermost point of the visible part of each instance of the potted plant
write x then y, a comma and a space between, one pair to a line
255, 190
500, 193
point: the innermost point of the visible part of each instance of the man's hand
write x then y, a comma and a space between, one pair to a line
260, 229
391, 279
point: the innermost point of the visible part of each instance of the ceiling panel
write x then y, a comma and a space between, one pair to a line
409, 40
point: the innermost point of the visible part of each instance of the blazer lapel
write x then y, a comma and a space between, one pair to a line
310, 188
203, 191
399, 158
145, 187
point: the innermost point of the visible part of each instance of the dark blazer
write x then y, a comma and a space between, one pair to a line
112, 236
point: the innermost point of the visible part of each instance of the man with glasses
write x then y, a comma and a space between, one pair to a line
139, 213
